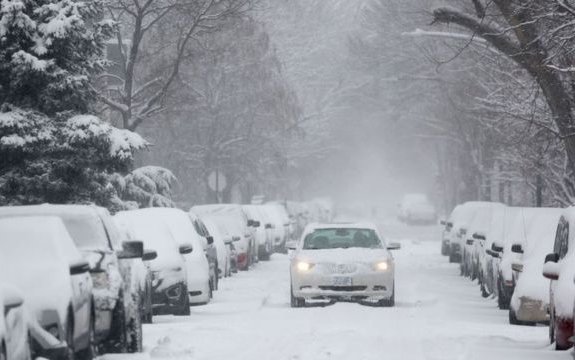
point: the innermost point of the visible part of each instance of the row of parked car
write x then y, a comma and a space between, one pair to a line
524, 257
76, 282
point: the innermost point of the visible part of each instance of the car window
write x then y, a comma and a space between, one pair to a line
563, 238
87, 231
342, 238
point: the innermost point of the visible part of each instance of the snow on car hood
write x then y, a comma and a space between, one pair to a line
358, 255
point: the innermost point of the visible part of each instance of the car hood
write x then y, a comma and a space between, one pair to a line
350, 255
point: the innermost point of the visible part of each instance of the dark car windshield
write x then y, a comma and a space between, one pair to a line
342, 238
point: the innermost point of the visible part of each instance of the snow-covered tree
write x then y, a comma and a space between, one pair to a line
48, 51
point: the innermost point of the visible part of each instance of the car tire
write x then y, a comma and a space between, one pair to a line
71, 351
91, 352
134, 326
513, 318
117, 342
3, 355
184, 308
296, 302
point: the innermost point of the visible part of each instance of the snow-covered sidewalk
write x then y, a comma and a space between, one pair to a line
439, 315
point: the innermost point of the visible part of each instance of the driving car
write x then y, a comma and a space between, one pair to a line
169, 275
342, 262
530, 301
559, 267
98, 239
41, 260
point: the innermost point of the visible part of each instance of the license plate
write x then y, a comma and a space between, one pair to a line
342, 281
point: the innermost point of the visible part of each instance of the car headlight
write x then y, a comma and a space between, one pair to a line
381, 266
303, 266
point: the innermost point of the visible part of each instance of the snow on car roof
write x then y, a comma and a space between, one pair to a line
341, 225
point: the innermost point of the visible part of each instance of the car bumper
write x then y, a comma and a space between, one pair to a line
169, 299
531, 310
199, 291
371, 287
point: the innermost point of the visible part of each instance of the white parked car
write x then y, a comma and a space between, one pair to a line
169, 275
560, 269
530, 300
46, 266
350, 262
237, 224
264, 237
14, 340
199, 283
281, 225
222, 243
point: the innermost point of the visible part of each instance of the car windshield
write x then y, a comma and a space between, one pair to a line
86, 231
342, 238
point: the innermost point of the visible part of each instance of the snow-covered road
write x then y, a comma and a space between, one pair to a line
438, 315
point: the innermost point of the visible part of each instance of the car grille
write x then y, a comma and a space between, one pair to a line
343, 288
341, 268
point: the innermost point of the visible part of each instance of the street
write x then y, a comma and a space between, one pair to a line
438, 315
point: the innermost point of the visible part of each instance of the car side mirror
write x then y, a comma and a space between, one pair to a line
469, 241
553, 257
80, 267
517, 266
393, 246
490, 252
131, 250
291, 245
12, 299
149, 255
551, 270
236, 238
479, 236
257, 224
210, 240
186, 249
228, 241
517, 248
496, 248
442, 222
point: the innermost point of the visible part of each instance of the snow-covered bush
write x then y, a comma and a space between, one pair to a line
148, 186
48, 50
61, 159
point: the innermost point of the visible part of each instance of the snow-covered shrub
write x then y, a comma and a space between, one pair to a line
148, 186
48, 50
61, 159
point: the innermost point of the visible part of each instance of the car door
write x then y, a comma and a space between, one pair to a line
560, 248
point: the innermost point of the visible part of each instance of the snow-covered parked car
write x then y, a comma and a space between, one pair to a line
139, 277
169, 272
210, 248
350, 262
14, 339
99, 240
236, 222
281, 225
458, 233
530, 300
417, 209
199, 281
560, 269
476, 234
263, 234
222, 242
41, 260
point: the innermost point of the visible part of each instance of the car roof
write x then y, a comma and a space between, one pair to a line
342, 225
